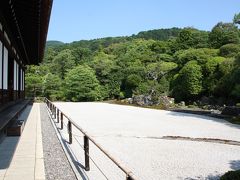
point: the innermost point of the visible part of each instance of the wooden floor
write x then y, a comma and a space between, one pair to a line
11, 113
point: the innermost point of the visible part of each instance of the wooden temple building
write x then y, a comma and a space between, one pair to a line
23, 32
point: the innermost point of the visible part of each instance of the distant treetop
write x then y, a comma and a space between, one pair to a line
53, 43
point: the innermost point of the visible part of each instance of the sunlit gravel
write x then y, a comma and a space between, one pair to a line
134, 137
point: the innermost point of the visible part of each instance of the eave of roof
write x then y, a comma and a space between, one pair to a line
27, 22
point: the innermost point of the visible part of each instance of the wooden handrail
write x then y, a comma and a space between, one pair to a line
56, 111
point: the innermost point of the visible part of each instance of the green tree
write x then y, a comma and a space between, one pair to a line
63, 62
81, 55
212, 65
33, 85
81, 84
199, 55
138, 51
225, 84
236, 91
237, 60
34, 79
236, 19
161, 47
229, 50
165, 57
224, 33
227, 66
132, 82
52, 87
153, 88
49, 55
114, 85
188, 83
103, 64
158, 34
192, 38
211, 74
155, 71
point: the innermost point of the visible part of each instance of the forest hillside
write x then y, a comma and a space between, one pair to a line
186, 64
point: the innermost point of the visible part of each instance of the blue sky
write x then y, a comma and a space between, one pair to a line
73, 20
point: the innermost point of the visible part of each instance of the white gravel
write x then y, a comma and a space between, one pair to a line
126, 132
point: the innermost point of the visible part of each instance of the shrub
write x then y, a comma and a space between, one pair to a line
235, 120
188, 83
231, 175
229, 50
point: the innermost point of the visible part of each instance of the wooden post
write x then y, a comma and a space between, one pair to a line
55, 112
57, 116
61, 120
70, 132
51, 108
129, 178
86, 153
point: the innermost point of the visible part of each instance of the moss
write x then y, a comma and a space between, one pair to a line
192, 106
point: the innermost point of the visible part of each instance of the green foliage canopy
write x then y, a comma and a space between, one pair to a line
184, 63
224, 33
81, 84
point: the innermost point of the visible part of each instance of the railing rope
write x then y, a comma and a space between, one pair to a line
55, 111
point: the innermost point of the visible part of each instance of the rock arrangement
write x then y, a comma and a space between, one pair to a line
148, 100
205, 105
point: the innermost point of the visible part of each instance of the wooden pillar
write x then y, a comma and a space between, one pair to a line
1, 71
3, 99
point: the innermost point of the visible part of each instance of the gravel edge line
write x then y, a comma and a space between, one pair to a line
56, 162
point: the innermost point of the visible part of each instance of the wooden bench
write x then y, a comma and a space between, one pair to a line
16, 129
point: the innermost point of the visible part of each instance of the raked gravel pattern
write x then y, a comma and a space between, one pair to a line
134, 137
56, 164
